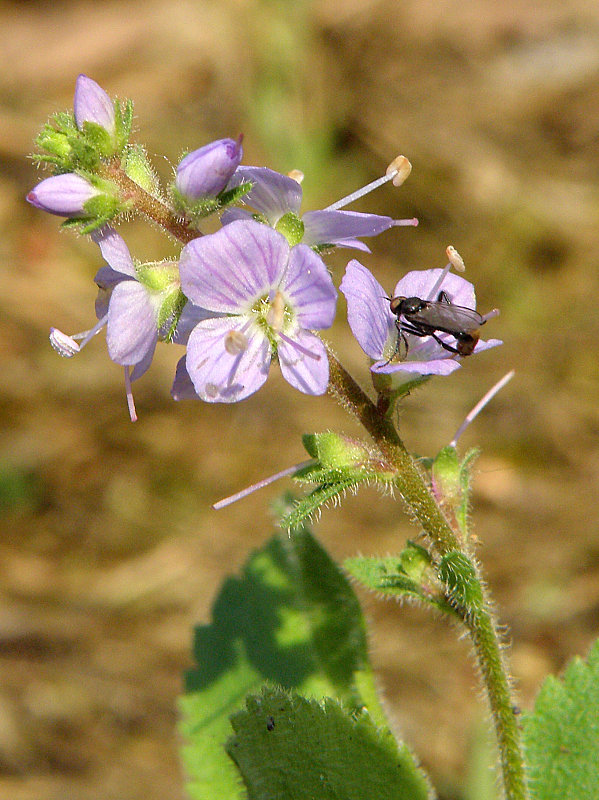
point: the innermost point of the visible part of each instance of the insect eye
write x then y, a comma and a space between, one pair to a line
412, 304
396, 304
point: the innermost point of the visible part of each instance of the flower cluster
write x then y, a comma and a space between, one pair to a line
255, 291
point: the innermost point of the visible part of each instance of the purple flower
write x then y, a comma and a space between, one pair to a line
131, 300
206, 172
266, 297
374, 327
274, 196
64, 195
92, 104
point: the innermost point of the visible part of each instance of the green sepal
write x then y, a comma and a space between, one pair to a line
170, 311
463, 586
324, 248
411, 576
137, 166
230, 196
98, 210
98, 139
335, 452
287, 747
123, 122
292, 228
451, 481
196, 210
306, 508
340, 463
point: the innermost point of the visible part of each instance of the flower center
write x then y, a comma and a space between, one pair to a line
273, 316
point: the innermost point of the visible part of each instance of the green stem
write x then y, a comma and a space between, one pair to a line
479, 621
482, 630
146, 204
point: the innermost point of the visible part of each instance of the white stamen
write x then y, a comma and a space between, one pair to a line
261, 484
434, 292
397, 168
491, 314
129, 393
455, 259
276, 313
480, 405
296, 174
64, 345
67, 346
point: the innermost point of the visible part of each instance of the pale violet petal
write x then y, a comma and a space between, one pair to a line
420, 283
92, 104
114, 250
324, 226
439, 366
231, 214
205, 172
368, 311
308, 373
227, 270
309, 286
183, 388
144, 365
272, 194
221, 372
131, 330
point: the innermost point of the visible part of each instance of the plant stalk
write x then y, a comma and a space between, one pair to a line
148, 205
479, 622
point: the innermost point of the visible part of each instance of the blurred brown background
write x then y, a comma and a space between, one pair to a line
109, 551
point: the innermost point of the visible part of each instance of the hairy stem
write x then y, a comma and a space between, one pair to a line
146, 204
479, 621
483, 633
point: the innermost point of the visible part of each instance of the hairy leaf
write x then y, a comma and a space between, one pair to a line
561, 735
290, 619
291, 748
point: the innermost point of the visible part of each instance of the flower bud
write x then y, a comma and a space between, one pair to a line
64, 195
335, 451
206, 172
92, 104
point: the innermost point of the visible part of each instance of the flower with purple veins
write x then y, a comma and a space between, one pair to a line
136, 303
277, 198
266, 298
374, 326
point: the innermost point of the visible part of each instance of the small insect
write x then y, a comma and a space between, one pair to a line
431, 317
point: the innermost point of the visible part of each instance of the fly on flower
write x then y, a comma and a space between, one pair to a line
431, 317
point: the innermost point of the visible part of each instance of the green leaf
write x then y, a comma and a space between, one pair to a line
291, 619
411, 576
291, 748
561, 735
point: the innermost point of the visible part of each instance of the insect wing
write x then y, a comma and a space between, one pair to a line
442, 316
